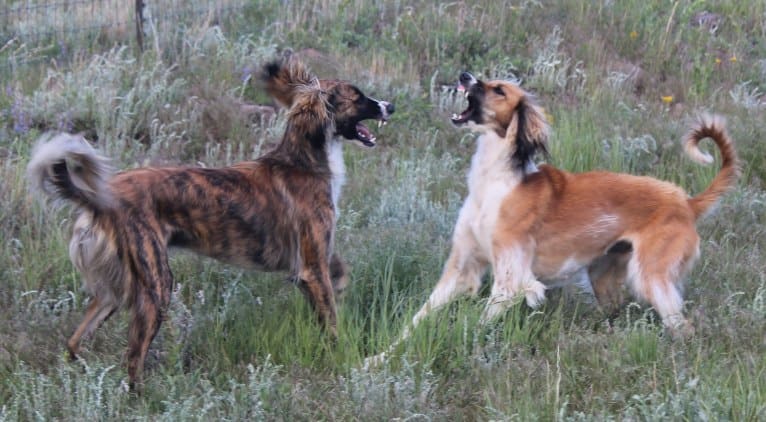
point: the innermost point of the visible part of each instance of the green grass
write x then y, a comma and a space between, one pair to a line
242, 345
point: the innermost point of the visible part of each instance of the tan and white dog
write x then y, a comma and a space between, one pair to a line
540, 227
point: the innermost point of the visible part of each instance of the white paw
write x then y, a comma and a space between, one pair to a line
678, 326
535, 293
496, 305
374, 361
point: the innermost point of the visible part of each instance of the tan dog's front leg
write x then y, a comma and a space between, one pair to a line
512, 271
461, 275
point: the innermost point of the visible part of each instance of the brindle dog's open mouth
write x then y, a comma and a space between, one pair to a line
365, 135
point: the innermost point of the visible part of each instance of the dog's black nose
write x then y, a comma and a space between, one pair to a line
390, 108
465, 77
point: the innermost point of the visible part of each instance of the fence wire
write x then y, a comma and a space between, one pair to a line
33, 31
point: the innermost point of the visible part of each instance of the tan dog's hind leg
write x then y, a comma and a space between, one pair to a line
656, 269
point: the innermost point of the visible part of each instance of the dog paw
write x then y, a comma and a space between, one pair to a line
535, 293
679, 327
374, 361
496, 306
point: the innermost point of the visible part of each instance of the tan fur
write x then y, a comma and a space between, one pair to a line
543, 227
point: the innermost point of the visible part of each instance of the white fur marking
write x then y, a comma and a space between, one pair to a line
604, 224
668, 303
635, 276
513, 275
490, 180
569, 267
338, 169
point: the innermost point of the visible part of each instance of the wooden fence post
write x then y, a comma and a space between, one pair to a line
140, 25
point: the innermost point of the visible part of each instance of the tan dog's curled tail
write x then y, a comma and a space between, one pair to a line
713, 127
66, 168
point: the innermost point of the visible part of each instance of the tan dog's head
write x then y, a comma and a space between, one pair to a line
504, 108
348, 104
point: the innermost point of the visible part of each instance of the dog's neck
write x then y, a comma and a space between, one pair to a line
491, 163
337, 168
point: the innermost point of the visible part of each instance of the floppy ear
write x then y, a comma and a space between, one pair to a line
310, 114
531, 134
283, 76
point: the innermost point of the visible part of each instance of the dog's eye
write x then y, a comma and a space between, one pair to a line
498, 90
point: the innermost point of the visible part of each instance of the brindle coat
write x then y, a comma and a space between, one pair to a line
276, 213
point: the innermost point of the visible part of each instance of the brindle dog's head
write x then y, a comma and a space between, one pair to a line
348, 104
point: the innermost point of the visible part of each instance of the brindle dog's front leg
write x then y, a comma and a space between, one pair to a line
314, 278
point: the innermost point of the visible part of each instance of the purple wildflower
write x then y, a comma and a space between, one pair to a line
247, 72
21, 120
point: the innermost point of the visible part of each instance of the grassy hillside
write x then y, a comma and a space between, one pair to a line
620, 82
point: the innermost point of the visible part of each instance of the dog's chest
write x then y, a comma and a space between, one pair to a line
484, 207
490, 180
338, 170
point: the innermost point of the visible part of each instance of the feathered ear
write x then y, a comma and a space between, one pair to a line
281, 77
531, 134
310, 114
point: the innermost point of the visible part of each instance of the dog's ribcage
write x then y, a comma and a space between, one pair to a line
249, 215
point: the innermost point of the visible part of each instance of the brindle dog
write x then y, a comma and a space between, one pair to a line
276, 213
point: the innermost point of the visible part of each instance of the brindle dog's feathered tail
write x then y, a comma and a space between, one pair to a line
282, 76
66, 168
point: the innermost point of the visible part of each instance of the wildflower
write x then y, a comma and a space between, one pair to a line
717, 60
548, 116
633, 35
733, 59
65, 123
667, 99
247, 73
21, 120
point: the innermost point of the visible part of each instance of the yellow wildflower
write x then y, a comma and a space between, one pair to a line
717, 60
667, 99
548, 116
633, 35
733, 59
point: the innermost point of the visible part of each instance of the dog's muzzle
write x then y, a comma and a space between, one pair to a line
465, 82
386, 110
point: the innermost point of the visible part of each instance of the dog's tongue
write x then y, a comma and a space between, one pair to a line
363, 133
460, 87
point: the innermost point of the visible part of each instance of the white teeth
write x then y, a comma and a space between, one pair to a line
466, 93
455, 116
380, 123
